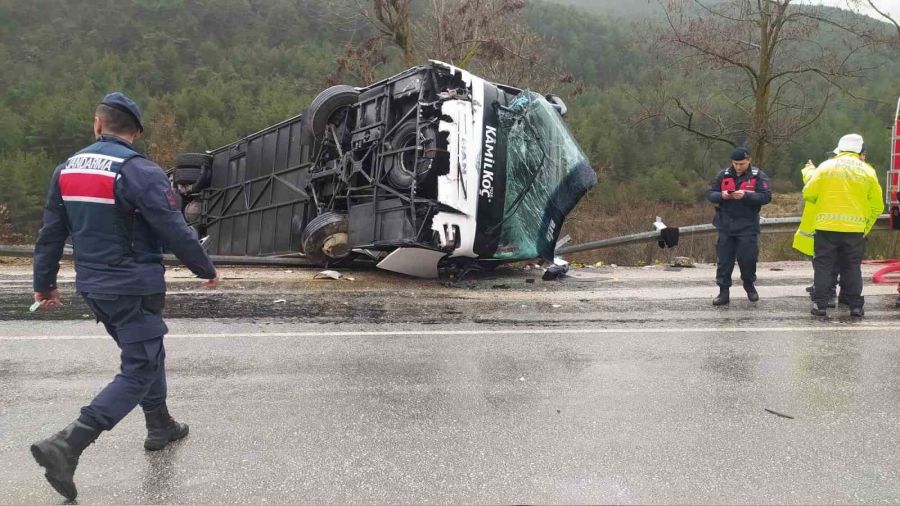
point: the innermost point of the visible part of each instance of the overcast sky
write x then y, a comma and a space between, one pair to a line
891, 7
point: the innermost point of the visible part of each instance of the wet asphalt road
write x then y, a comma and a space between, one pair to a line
633, 390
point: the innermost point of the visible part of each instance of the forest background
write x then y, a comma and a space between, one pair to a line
207, 72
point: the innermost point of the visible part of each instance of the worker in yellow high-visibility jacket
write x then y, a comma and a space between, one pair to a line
803, 237
847, 197
806, 232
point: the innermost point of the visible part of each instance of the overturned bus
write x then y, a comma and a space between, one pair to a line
432, 165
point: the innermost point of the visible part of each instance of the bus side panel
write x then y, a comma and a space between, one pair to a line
254, 204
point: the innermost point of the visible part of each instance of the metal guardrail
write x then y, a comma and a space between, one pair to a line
25, 251
767, 225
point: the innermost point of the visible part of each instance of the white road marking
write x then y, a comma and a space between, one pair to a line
475, 332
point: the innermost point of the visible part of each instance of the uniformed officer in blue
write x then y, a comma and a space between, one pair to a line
739, 192
119, 210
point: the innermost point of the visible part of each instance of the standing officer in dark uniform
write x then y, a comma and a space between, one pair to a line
738, 192
119, 210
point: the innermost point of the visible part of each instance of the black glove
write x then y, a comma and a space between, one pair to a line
668, 237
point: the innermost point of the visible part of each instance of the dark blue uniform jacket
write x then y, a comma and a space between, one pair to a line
119, 210
739, 217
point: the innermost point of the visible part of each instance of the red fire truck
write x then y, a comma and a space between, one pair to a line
892, 198
892, 188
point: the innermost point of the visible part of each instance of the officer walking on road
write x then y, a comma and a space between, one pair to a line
739, 192
119, 210
848, 200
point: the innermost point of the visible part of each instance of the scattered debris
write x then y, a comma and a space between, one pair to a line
585, 276
659, 225
418, 262
555, 306
332, 275
289, 271
782, 415
555, 272
674, 268
529, 281
278, 301
682, 262
776, 269
501, 287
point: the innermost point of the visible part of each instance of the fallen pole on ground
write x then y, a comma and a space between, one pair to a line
767, 225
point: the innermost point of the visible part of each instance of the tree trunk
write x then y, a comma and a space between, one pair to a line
409, 57
759, 126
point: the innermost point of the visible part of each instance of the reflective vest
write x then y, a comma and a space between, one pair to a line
804, 237
102, 230
846, 194
739, 217
729, 181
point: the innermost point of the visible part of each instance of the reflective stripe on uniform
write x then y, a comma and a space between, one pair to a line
95, 200
98, 156
87, 185
840, 217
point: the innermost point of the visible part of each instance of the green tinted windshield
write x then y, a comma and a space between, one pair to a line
546, 174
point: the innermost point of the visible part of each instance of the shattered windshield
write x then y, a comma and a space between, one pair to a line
547, 174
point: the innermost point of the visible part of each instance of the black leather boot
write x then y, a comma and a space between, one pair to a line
59, 454
857, 312
897, 302
723, 298
162, 428
752, 294
818, 310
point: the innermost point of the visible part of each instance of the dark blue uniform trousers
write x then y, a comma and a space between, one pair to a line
135, 323
744, 249
843, 252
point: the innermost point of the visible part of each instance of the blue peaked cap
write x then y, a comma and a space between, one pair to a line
118, 100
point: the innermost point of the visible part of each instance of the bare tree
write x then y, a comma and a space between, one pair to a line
393, 21
769, 67
361, 61
490, 37
878, 10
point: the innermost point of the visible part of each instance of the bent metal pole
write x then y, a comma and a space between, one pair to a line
767, 225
